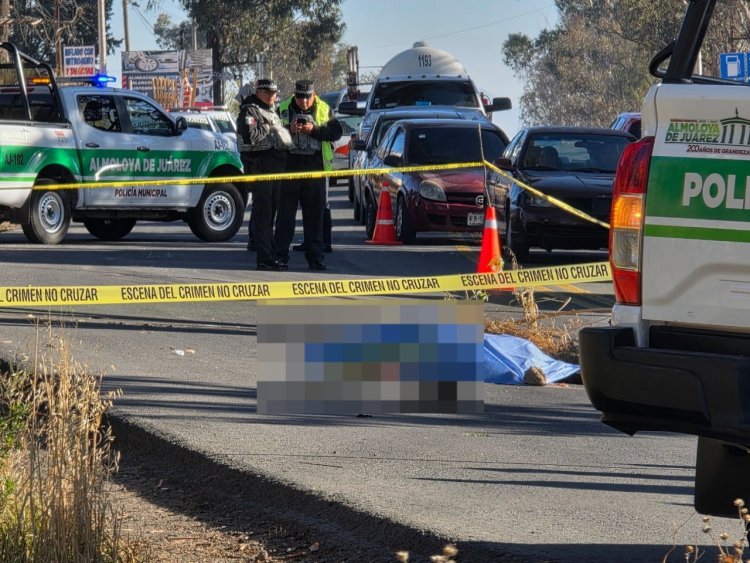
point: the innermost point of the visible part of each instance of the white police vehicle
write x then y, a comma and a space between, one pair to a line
52, 135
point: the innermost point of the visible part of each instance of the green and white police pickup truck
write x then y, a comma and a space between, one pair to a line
77, 134
677, 356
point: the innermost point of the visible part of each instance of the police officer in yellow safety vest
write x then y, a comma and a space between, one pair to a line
313, 129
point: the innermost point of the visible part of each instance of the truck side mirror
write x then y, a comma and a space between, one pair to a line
181, 125
499, 104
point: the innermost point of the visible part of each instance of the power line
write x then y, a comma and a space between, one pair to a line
469, 28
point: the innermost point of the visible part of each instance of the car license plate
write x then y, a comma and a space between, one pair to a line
474, 219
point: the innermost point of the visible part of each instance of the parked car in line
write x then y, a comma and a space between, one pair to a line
363, 150
349, 124
207, 121
629, 121
335, 97
573, 164
341, 148
450, 201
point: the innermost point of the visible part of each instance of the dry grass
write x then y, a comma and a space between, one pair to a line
726, 553
55, 463
552, 337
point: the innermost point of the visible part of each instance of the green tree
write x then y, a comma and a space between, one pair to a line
36, 26
594, 63
288, 34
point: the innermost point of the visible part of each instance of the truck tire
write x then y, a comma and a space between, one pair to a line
109, 229
405, 231
49, 215
219, 213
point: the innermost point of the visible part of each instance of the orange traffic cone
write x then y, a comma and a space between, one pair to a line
490, 258
385, 230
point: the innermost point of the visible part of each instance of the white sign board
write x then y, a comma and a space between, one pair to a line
79, 61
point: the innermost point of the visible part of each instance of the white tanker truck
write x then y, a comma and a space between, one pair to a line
423, 76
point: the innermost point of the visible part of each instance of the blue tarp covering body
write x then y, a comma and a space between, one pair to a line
507, 358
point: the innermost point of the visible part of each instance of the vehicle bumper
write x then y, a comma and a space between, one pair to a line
553, 228
448, 217
678, 384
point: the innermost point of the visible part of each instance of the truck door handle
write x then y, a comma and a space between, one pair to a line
143, 148
92, 145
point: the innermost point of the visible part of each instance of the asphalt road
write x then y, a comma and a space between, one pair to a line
535, 478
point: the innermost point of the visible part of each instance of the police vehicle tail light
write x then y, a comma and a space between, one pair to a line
626, 222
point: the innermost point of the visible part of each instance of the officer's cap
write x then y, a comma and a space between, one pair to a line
266, 84
304, 89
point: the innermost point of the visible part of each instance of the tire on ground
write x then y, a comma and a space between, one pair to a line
219, 213
49, 214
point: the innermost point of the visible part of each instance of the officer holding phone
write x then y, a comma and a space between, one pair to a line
313, 129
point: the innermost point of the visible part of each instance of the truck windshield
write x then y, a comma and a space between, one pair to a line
459, 93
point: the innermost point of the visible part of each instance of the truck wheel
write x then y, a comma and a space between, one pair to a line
49, 215
405, 231
219, 213
109, 229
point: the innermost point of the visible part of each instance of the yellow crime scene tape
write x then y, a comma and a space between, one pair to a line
261, 177
324, 174
241, 291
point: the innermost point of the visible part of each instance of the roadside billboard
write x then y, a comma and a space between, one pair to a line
79, 60
173, 78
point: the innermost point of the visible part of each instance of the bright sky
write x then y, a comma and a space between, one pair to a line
473, 32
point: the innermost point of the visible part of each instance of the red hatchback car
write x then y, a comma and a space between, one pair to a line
449, 201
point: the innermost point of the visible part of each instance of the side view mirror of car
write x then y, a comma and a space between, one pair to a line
499, 104
350, 108
181, 125
358, 145
393, 160
503, 163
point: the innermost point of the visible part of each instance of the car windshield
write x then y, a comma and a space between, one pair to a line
224, 125
584, 152
424, 93
198, 122
444, 145
349, 124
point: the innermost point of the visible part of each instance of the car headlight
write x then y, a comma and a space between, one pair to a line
430, 190
537, 201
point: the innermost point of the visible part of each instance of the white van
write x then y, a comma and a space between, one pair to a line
422, 76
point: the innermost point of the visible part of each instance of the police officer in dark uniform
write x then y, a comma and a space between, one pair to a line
313, 129
264, 145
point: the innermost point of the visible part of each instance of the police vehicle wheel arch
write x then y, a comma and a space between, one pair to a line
49, 214
219, 213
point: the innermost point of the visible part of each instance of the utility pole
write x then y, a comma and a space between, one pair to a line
58, 40
102, 13
125, 23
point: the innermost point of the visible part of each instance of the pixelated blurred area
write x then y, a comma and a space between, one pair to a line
341, 356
